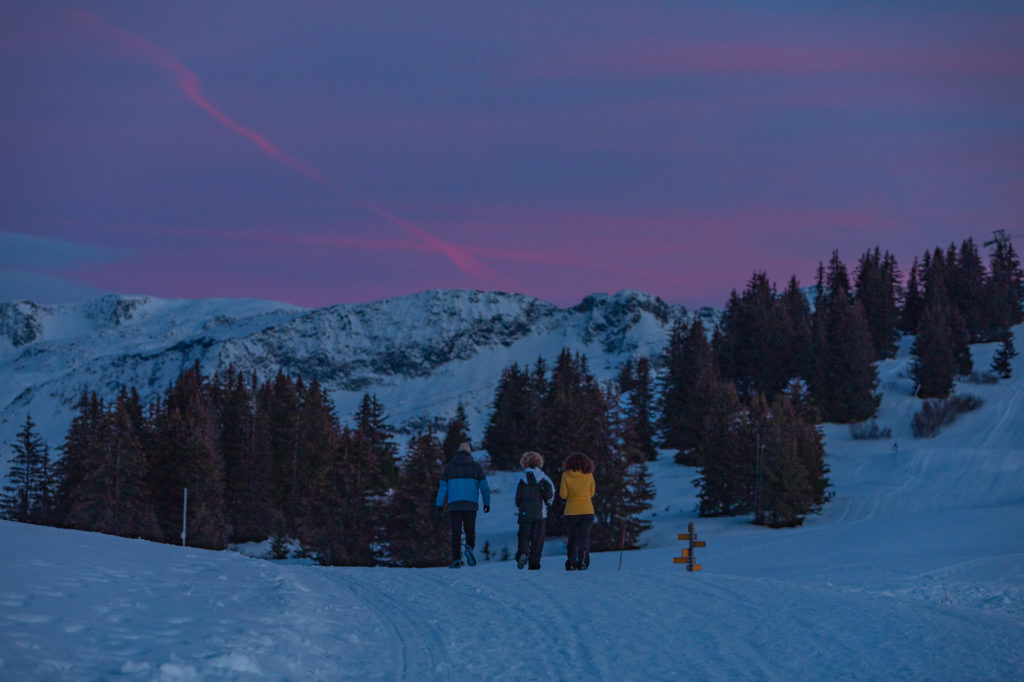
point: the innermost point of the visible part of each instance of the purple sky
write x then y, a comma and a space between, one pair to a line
321, 152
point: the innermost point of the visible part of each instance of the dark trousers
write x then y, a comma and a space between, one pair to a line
578, 529
531, 541
462, 518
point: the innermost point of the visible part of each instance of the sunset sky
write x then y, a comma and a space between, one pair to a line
322, 151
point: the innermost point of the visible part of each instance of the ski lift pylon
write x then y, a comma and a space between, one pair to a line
998, 237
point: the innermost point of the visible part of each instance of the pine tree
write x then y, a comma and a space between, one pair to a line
635, 382
186, 456
913, 301
727, 454
343, 528
27, 495
960, 337
280, 404
415, 530
318, 431
371, 424
577, 415
877, 277
1005, 291
567, 415
627, 376
845, 377
836, 278
791, 473
797, 330
624, 491
457, 431
673, 392
639, 494
1001, 363
755, 336
936, 278
244, 443
130, 510
76, 451
111, 492
690, 373
85, 493
969, 290
934, 361
513, 426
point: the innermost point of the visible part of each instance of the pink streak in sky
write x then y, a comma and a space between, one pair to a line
644, 59
188, 81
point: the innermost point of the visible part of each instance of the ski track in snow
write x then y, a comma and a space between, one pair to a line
420, 649
83, 606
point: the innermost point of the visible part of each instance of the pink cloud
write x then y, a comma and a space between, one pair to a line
647, 59
188, 82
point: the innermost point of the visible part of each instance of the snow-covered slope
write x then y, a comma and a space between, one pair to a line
419, 354
915, 571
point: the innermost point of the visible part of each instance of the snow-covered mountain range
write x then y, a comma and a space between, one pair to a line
420, 355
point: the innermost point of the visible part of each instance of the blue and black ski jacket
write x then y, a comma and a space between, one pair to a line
462, 483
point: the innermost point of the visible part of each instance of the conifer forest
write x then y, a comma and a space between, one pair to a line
740, 402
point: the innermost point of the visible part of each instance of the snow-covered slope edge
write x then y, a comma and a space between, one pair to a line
419, 354
915, 571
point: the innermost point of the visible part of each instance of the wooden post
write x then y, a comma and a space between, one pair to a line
184, 517
687, 557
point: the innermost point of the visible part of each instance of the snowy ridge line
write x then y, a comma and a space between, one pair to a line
488, 386
419, 354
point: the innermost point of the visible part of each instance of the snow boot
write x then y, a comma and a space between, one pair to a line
585, 564
455, 564
569, 565
521, 561
470, 559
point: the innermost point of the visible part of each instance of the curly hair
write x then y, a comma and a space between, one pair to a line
577, 461
531, 459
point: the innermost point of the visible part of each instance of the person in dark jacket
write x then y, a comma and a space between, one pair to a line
533, 495
462, 483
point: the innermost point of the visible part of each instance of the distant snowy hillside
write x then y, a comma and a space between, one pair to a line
915, 571
419, 354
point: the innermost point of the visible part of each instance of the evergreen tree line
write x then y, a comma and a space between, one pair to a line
563, 410
258, 460
952, 300
743, 407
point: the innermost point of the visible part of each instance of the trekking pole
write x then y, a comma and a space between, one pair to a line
623, 547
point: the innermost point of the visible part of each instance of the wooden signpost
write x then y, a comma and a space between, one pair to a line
687, 557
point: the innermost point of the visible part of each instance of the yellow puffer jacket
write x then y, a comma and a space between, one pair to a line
576, 489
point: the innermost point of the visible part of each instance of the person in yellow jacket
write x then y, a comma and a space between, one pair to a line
577, 489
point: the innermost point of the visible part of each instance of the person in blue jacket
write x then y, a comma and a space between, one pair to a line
462, 483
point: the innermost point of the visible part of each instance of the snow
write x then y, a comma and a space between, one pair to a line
421, 355
914, 571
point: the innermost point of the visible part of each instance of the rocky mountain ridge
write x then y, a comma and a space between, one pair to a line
420, 354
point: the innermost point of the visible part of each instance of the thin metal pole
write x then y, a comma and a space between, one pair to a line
184, 518
623, 547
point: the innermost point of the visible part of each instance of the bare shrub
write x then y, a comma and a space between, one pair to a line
935, 414
977, 377
869, 430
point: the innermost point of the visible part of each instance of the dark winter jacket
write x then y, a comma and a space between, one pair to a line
546, 489
462, 483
